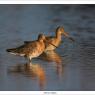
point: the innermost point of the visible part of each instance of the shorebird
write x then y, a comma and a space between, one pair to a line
55, 40
30, 50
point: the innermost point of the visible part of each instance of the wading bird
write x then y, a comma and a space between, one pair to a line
30, 50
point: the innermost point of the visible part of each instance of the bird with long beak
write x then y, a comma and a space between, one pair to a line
55, 40
32, 49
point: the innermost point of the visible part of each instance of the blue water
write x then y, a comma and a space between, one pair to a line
70, 68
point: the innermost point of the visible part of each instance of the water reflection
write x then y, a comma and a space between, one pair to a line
34, 71
55, 58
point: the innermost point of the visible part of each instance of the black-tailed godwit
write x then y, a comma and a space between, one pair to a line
30, 50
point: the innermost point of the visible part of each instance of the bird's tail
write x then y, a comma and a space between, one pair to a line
12, 51
15, 51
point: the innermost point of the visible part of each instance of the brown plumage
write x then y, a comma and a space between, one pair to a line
55, 40
30, 50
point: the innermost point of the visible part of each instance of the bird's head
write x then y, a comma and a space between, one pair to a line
60, 31
41, 37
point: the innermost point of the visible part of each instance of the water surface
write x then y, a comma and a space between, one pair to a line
70, 68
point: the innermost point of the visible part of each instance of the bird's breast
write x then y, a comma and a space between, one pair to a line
55, 42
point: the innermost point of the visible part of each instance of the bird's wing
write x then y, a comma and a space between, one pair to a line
26, 48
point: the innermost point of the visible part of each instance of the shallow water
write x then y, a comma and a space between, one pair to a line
70, 67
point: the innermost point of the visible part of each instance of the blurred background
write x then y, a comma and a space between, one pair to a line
70, 68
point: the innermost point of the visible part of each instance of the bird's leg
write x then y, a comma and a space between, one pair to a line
29, 60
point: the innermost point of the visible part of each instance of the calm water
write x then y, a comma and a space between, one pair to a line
70, 67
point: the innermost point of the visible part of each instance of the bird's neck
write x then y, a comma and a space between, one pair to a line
58, 36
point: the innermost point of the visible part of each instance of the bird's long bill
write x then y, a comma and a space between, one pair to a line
67, 35
71, 39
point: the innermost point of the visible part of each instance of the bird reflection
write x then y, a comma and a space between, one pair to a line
31, 70
54, 57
